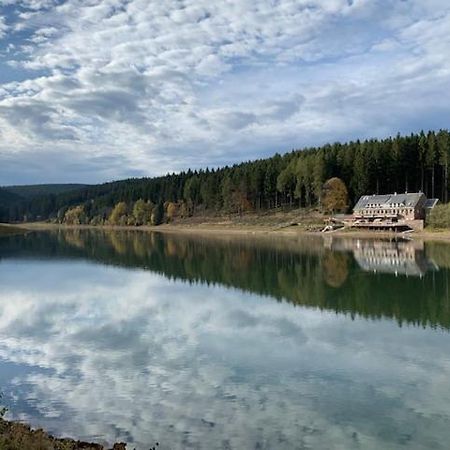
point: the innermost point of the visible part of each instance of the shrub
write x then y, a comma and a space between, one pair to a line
439, 217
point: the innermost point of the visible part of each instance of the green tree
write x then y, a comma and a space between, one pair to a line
192, 192
304, 185
227, 189
430, 160
443, 148
360, 180
318, 175
158, 214
270, 184
286, 181
208, 191
423, 150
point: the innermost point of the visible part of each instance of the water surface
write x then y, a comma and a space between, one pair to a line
227, 343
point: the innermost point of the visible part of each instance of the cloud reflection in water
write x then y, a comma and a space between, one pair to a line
113, 354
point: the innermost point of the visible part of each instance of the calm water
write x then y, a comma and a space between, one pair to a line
230, 343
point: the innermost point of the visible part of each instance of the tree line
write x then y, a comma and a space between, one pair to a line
417, 162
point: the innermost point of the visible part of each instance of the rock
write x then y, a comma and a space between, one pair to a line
120, 446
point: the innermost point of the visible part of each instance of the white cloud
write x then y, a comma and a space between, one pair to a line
3, 27
154, 81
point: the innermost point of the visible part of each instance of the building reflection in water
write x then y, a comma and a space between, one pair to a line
397, 256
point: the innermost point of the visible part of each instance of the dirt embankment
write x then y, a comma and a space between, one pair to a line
18, 436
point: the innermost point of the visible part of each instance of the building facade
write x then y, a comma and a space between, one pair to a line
406, 210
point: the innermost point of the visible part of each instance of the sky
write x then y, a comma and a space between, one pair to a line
96, 90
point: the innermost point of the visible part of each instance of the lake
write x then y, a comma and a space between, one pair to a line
227, 343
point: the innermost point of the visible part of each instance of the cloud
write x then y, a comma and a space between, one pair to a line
3, 27
170, 85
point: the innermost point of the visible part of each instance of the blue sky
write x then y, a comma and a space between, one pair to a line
97, 90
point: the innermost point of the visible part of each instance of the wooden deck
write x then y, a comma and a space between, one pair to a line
382, 226
387, 224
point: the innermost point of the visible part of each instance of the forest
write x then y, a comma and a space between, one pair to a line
417, 162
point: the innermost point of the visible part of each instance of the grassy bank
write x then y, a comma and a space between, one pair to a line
18, 436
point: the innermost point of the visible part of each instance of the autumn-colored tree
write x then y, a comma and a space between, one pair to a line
75, 216
142, 212
241, 202
172, 211
184, 210
334, 196
119, 214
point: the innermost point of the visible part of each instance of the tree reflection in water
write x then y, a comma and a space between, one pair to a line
403, 280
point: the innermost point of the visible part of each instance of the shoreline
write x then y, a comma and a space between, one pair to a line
16, 435
220, 229
7, 229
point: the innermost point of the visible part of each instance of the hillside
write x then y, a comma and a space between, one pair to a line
418, 162
8, 198
37, 190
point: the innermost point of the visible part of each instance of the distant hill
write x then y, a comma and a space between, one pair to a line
8, 198
38, 190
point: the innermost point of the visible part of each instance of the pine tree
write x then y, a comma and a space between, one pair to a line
443, 149
158, 214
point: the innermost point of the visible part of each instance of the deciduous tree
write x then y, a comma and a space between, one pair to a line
334, 196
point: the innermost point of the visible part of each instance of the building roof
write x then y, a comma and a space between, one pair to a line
389, 200
430, 203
